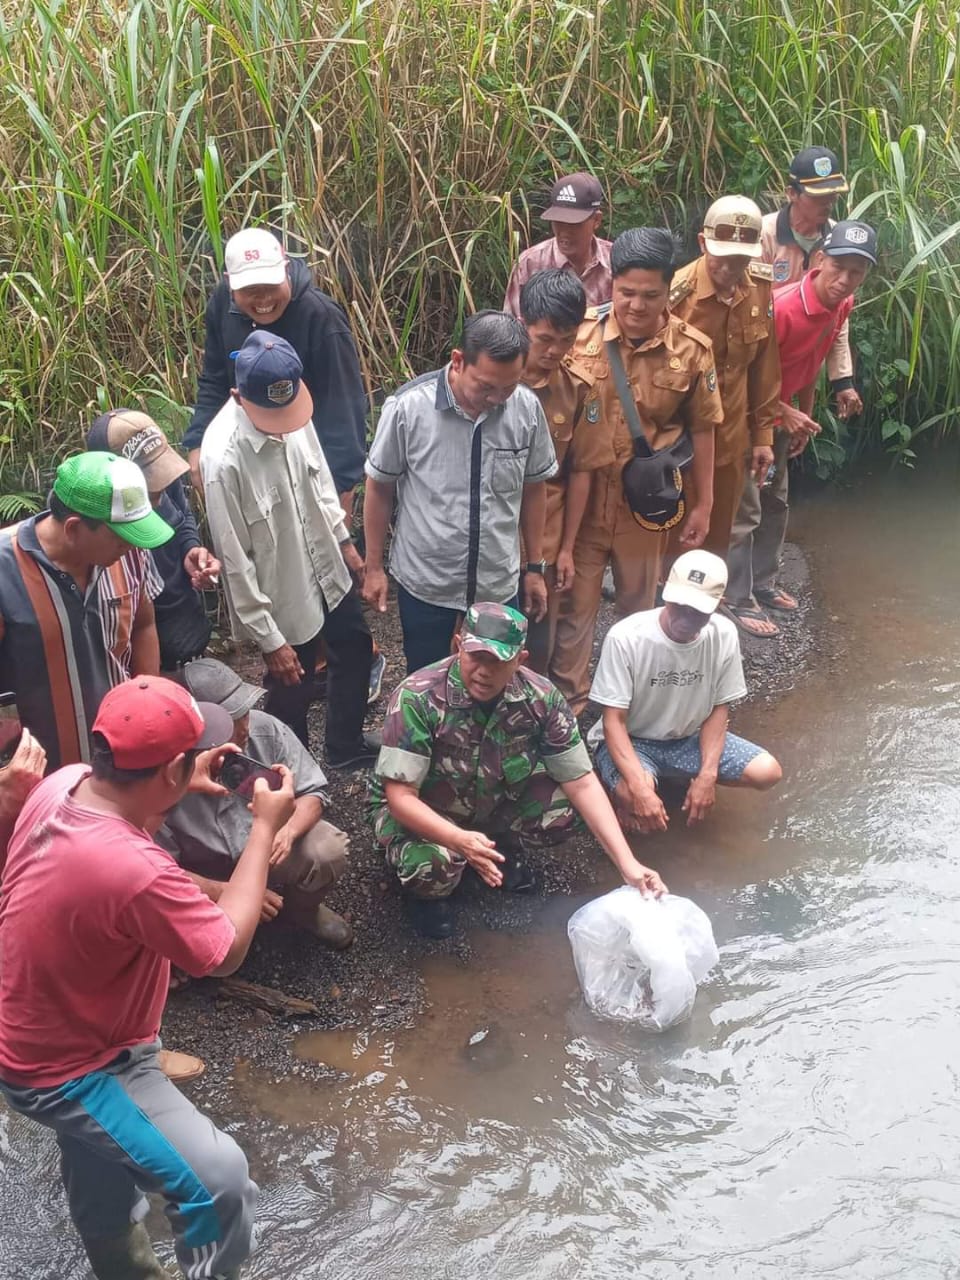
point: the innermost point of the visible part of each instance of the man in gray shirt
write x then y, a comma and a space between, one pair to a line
208, 833
467, 453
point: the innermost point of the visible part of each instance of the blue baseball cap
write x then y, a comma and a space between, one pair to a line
269, 380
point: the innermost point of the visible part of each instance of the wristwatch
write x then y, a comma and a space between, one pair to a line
536, 566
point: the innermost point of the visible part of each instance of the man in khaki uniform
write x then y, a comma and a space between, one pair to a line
727, 294
669, 364
553, 304
788, 239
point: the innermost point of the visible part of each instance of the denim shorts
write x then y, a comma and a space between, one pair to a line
679, 758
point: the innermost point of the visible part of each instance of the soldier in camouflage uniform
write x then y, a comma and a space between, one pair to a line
480, 755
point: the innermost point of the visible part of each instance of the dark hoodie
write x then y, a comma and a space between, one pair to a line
317, 330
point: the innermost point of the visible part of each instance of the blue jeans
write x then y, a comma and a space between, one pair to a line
428, 629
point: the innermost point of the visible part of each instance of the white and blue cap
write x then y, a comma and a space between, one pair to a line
269, 381
851, 236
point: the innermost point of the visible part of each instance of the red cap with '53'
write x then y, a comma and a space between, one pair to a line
148, 721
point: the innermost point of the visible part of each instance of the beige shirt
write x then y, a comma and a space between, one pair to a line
277, 526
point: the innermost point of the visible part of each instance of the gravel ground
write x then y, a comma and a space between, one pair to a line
376, 983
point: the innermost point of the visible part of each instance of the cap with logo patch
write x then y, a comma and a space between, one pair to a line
698, 579
254, 256
574, 198
851, 236
817, 170
134, 435
148, 721
113, 490
493, 628
732, 226
269, 379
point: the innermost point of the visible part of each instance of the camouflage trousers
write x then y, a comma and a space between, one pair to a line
538, 811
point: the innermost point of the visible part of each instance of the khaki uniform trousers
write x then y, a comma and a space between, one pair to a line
759, 530
728, 481
634, 554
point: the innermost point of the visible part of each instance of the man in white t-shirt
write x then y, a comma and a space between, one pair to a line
665, 680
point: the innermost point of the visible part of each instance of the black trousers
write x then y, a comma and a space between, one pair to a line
349, 649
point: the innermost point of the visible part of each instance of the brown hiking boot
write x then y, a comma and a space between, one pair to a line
320, 920
128, 1256
179, 1067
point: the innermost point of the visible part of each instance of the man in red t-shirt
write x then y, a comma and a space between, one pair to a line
808, 314
93, 913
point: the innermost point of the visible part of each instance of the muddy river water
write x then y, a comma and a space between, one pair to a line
803, 1124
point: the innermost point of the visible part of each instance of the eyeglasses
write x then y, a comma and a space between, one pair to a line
737, 235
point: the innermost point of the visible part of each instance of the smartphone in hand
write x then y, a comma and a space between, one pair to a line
238, 773
10, 727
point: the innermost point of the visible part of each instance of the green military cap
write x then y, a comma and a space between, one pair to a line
493, 628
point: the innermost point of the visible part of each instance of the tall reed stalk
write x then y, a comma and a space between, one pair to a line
402, 148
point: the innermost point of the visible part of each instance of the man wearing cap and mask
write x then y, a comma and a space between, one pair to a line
727, 295
809, 314
210, 832
75, 600
665, 680
574, 215
279, 530
264, 289
789, 238
93, 914
183, 563
481, 756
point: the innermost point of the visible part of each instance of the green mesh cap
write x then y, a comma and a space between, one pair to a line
102, 486
493, 628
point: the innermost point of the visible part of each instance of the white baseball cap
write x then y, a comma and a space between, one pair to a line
698, 579
253, 257
732, 227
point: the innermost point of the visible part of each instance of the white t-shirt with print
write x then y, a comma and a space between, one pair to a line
668, 688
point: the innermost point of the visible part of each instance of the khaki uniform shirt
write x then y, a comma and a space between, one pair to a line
789, 261
744, 347
572, 409
674, 385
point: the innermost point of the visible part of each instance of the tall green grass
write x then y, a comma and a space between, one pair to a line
401, 147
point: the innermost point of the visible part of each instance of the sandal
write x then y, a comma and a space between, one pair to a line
776, 598
747, 617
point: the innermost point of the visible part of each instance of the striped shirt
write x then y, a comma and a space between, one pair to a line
121, 590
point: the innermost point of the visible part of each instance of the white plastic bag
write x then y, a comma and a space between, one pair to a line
640, 959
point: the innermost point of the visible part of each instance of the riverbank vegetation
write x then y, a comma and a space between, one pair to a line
401, 145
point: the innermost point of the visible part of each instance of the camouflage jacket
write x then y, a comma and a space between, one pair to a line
462, 758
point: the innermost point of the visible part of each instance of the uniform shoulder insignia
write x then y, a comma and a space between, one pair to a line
681, 289
761, 270
599, 312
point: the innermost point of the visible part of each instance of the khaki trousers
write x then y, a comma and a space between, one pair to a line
634, 554
759, 530
728, 481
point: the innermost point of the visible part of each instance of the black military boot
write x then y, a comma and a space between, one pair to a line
517, 875
432, 917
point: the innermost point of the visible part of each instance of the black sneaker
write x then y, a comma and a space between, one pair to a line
431, 917
364, 755
517, 876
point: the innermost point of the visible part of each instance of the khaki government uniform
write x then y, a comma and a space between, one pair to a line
760, 524
748, 374
572, 410
675, 387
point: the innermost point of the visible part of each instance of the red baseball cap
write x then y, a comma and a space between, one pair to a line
149, 720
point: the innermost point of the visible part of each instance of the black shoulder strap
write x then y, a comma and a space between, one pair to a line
627, 402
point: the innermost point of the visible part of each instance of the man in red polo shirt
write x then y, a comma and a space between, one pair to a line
808, 315
92, 915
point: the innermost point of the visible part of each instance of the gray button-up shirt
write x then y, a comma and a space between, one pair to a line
221, 824
459, 489
277, 526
